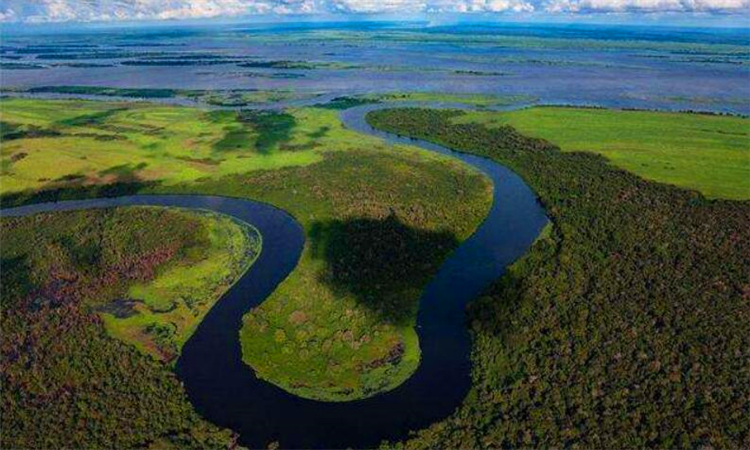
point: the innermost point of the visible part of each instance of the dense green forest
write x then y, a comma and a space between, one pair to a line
66, 383
627, 326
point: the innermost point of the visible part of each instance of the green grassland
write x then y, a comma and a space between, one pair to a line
321, 334
101, 143
627, 325
71, 281
704, 152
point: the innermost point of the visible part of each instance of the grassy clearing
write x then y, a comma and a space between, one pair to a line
169, 307
151, 274
320, 335
707, 153
627, 323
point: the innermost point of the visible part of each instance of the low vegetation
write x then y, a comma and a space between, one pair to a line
628, 323
103, 143
72, 281
708, 153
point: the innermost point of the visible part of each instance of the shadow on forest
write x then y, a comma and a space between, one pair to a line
16, 282
380, 261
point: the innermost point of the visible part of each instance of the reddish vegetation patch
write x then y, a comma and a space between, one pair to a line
297, 318
393, 357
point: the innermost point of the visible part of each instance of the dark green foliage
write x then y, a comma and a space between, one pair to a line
628, 327
15, 277
277, 65
346, 103
93, 119
107, 91
124, 171
379, 260
179, 62
55, 193
273, 128
20, 66
10, 131
65, 383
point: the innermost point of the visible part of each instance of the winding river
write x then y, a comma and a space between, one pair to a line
226, 391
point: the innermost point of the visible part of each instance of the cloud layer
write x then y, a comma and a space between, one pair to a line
114, 10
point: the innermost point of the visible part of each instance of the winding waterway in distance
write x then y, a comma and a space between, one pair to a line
226, 391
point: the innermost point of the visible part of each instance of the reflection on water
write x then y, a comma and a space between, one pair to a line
607, 66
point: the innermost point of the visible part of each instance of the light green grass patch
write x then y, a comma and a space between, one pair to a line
102, 142
707, 153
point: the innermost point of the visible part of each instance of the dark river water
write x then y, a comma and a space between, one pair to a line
226, 391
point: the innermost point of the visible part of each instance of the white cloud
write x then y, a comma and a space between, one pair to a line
592, 6
112, 10
479, 6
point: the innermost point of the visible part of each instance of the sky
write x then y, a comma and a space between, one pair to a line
736, 12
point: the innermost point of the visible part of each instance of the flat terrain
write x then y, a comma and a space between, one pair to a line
710, 154
627, 324
102, 143
74, 280
370, 211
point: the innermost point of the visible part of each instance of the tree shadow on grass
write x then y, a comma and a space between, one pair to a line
74, 189
91, 119
384, 263
273, 128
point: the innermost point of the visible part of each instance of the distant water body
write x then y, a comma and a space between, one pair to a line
611, 66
